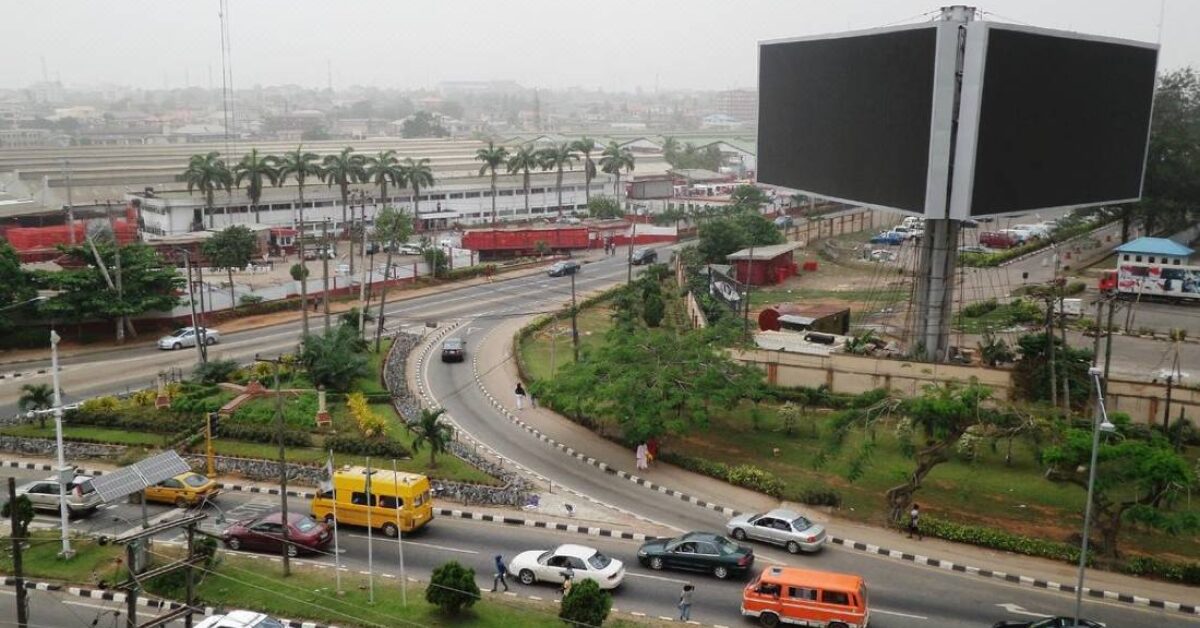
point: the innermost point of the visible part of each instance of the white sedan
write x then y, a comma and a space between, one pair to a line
187, 337
578, 560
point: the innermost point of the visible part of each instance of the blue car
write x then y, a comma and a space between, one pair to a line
887, 237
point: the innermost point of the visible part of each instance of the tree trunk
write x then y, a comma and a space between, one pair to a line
387, 273
232, 296
1108, 525
527, 192
558, 183
587, 180
432, 457
493, 197
350, 230
900, 497
208, 197
303, 269
416, 201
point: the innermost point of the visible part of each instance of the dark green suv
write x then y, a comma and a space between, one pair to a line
698, 551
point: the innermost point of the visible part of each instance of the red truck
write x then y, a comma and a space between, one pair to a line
998, 239
516, 242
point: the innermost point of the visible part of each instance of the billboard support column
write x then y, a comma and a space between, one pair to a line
934, 297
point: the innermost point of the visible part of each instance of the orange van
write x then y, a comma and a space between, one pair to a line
801, 597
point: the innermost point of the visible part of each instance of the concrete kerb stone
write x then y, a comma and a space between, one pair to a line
1187, 609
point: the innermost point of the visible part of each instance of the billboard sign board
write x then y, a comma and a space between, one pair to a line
725, 289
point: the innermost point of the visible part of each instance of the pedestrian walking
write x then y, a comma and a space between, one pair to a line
685, 602
568, 576
640, 455
520, 394
914, 522
501, 576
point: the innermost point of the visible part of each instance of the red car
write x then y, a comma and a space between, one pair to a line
265, 533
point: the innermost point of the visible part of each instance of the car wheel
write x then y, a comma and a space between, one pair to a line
390, 530
739, 534
329, 520
233, 543
838, 624
177, 346
209, 340
526, 576
656, 563
793, 547
292, 550
181, 502
770, 620
721, 572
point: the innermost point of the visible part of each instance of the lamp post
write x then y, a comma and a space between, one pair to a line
1099, 424
65, 474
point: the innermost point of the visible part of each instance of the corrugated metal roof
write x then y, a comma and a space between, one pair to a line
1155, 246
764, 252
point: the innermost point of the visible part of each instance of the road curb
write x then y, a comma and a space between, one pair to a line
143, 601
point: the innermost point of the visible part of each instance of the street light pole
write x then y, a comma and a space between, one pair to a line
1099, 424
63, 478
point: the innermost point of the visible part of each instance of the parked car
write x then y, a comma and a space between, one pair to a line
454, 350
882, 255
265, 534
188, 337
906, 232
563, 268
241, 619
913, 222
698, 551
320, 252
783, 222
998, 239
82, 499
644, 256
409, 249
183, 490
887, 237
781, 527
971, 248
580, 561
1049, 622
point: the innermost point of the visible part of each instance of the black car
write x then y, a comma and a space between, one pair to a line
563, 268
644, 256
698, 551
1049, 622
454, 350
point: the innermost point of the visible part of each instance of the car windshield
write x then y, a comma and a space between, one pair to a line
599, 561
85, 485
269, 622
725, 545
195, 480
800, 523
306, 524
545, 556
178, 333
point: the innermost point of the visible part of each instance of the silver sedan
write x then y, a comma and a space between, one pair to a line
787, 528
187, 337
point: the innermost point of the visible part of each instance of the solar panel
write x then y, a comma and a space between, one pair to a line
134, 478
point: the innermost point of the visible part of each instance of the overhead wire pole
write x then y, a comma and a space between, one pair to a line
283, 491
65, 474
18, 567
325, 250
70, 202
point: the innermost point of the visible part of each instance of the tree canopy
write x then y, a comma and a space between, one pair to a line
1171, 196
604, 207
148, 285
734, 230
334, 359
16, 284
422, 124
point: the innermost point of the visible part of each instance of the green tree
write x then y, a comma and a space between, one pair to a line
556, 158
994, 351
255, 170
1031, 375
418, 175
298, 272
334, 359
733, 231
24, 515
436, 259
749, 197
393, 228
303, 166
214, 372
208, 173
492, 157
344, 169
422, 124
452, 588
1137, 480
584, 146
16, 284
670, 150
614, 159
1171, 194
148, 285
586, 604
429, 430
654, 309
604, 207
384, 168
523, 160
34, 398
231, 248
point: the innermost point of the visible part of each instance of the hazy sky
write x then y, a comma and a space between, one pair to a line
612, 44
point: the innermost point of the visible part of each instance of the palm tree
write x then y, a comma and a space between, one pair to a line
523, 160
613, 160
584, 146
429, 430
382, 169
36, 397
419, 175
208, 173
254, 169
492, 157
391, 226
554, 158
301, 165
670, 149
344, 169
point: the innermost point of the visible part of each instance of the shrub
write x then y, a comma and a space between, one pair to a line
263, 434
821, 497
369, 422
250, 299
133, 419
998, 539
452, 588
585, 604
1074, 287
977, 309
214, 371
299, 412
744, 475
376, 448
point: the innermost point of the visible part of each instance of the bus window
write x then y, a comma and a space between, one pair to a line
387, 501
840, 598
360, 499
800, 593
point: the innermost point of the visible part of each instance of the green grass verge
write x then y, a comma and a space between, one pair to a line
1004, 316
371, 384
91, 563
86, 434
548, 349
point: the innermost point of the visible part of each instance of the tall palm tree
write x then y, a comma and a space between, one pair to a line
254, 170
523, 160
429, 430
300, 165
492, 157
382, 169
344, 169
419, 175
391, 226
36, 397
208, 173
554, 158
584, 146
613, 160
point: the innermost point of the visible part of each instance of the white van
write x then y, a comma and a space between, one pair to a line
914, 222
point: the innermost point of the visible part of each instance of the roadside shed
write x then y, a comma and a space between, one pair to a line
829, 319
764, 265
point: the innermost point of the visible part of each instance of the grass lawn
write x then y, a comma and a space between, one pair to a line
371, 384
307, 594
552, 344
87, 433
1003, 317
91, 562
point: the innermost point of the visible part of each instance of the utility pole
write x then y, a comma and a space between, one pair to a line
1099, 330
574, 321
200, 347
283, 496
112, 224
70, 202
749, 286
1060, 292
18, 567
362, 286
1172, 377
325, 270
632, 237
1108, 345
65, 473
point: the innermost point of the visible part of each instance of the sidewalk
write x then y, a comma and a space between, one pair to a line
497, 347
